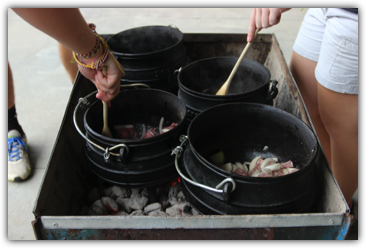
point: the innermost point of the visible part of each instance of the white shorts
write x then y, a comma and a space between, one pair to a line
329, 36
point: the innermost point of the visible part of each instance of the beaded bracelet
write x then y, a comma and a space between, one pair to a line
94, 50
97, 64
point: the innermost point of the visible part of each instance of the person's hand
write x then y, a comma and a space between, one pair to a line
109, 86
263, 18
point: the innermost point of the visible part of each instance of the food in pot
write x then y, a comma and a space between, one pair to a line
258, 167
141, 131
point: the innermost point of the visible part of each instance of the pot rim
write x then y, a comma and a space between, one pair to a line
134, 142
219, 97
219, 171
180, 41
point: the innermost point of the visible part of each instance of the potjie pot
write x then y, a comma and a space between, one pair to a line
199, 81
150, 55
134, 162
242, 131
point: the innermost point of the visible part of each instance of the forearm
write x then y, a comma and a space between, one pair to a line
67, 26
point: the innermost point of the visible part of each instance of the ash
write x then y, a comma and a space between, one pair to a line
164, 200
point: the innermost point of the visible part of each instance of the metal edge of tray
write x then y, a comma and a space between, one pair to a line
340, 219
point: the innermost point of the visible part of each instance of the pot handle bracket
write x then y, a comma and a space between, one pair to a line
228, 184
272, 90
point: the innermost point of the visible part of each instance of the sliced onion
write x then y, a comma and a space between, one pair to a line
254, 162
267, 160
228, 167
143, 130
241, 166
161, 125
272, 167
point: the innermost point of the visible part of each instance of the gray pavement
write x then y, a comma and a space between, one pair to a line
42, 86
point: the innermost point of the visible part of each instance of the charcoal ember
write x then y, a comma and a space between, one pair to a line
181, 205
173, 200
164, 202
123, 204
94, 195
110, 204
144, 192
138, 212
152, 207
135, 191
187, 210
195, 212
181, 195
174, 211
98, 208
120, 192
157, 213
174, 190
138, 201
120, 213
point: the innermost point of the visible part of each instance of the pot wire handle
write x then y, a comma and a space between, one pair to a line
83, 102
177, 151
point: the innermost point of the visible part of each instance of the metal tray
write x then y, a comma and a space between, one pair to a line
68, 180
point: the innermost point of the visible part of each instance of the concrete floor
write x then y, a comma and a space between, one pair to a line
42, 86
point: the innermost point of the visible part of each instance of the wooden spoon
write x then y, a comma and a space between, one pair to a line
105, 131
225, 87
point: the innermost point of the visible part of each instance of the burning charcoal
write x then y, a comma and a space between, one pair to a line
135, 191
195, 212
110, 204
157, 213
164, 202
120, 213
152, 207
137, 213
144, 192
173, 192
181, 195
187, 210
120, 192
98, 208
138, 202
173, 200
123, 204
93, 195
173, 211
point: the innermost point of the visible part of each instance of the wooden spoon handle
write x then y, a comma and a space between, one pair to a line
225, 87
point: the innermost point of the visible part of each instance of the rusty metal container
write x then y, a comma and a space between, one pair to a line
68, 180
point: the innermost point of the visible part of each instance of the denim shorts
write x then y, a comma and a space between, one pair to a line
329, 36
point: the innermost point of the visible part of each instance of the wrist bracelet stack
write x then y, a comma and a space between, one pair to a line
97, 65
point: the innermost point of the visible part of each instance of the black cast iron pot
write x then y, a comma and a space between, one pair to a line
135, 162
199, 81
241, 131
150, 55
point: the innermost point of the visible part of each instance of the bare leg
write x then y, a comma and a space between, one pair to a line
66, 59
11, 95
303, 70
339, 113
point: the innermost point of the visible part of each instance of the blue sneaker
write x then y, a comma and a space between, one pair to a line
19, 166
